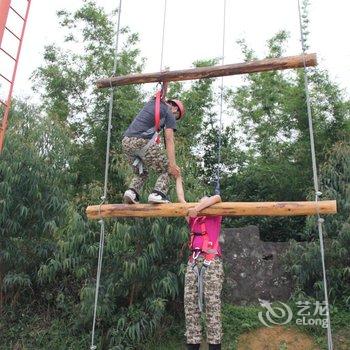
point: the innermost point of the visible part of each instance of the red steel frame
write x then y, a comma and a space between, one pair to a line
5, 7
4, 10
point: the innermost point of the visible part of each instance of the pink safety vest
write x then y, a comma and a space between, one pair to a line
205, 233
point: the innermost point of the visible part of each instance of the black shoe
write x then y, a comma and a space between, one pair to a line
214, 346
193, 346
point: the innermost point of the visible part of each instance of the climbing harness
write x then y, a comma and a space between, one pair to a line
157, 115
139, 155
199, 271
208, 248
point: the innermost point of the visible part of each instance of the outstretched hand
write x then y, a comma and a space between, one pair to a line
192, 212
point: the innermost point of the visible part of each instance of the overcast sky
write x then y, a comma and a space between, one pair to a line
194, 31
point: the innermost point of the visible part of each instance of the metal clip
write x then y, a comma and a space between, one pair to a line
196, 254
206, 263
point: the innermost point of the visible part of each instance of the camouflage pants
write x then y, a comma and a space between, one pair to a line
213, 279
154, 159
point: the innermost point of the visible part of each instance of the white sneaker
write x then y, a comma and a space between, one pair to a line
130, 197
157, 197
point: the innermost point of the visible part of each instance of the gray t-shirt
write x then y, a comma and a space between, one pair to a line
143, 124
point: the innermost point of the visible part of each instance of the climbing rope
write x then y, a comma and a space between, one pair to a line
104, 197
315, 179
218, 169
163, 35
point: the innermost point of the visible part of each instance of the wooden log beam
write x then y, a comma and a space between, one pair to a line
224, 208
212, 71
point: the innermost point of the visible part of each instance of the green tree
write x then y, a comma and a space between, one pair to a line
142, 268
304, 261
66, 83
34, 170
271, 114
143, 264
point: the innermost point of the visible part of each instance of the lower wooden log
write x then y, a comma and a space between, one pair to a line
224, 208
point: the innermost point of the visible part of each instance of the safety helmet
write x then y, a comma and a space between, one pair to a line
180, 106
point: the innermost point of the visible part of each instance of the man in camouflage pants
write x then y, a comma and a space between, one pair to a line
143, 152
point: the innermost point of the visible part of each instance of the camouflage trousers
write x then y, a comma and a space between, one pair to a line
213, 278
154, 159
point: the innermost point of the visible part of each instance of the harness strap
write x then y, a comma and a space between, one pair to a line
157, 114
139, 155
193, 234
200, 271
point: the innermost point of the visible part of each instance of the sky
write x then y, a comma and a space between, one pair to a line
194, 30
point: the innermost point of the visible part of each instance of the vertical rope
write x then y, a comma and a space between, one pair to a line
316, 186
98, 275
163, 35
104, 197
111, 104
218, 169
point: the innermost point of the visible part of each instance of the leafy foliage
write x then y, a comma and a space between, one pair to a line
53, 167
271, 114
307, 271
33, 171
142, 267
66, 83
140, 274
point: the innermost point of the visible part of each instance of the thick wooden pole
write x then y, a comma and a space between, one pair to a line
225, 209
212, 71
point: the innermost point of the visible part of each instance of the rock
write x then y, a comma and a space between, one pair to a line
253, 268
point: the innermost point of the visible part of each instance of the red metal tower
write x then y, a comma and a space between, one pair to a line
5, 10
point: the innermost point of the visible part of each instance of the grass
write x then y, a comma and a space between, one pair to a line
238, 320
26, 331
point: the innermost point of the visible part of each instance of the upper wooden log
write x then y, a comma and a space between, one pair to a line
224, 208
212, 71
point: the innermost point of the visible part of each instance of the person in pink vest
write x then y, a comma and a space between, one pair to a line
204, 276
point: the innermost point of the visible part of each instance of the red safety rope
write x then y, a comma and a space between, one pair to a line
157, 114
